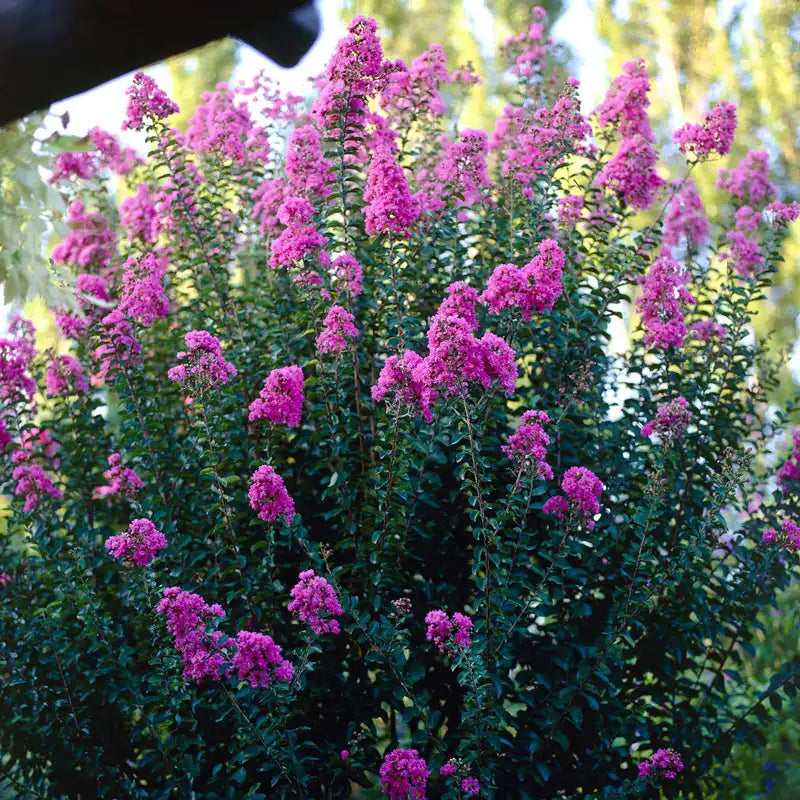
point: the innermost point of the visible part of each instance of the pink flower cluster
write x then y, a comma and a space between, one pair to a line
188, 616
139, 215
662, 764
138, 545
280, 400
749, 181
355, 73
624, 108
790, 470
299, 238
143, 296
582, 489
534, 288
631, 173
783, 213
664, 294
258, 660
268, 495
449, 635
528, 444
16, 355
338, 329
788, 536
671, 421
685, 219
64, 376
536, 145
400, 382
390, 206
308, 172
121, 480
742, 250
460, 301
570, 207
464, 165
146, 100
5, 578
713, 137
223, 126
456, 358
87, 286
90, 242
202, 362
706, 329
470, 786
315, 602
107, 155
34, 484
348, 273
411, 93
404, 775
118, 343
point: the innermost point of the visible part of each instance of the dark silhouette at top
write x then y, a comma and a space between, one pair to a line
52, 49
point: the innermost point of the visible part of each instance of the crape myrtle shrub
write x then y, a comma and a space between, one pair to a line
343, 487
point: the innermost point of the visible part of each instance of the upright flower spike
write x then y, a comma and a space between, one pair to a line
34, 485
299, 239
664, 295
315, 602
404, 775
527, 446
748, 183
631, 173
671, 421
146, 101
713, 136
121, 480
337, 331
685, 220
663, 764
280, 400
460, 302
144, 298
401, 387
582, 489
188, 616
390, 206
138, 545
624, 109
65, 377
258, 660
202, 362
268, 495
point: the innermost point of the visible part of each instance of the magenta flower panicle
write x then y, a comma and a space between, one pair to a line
315, 602
146, 101
404, 775
663, 764
449, 634
582, 490
188, 617
202, 362
138, 545
258, 660
268, 495
280, 400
